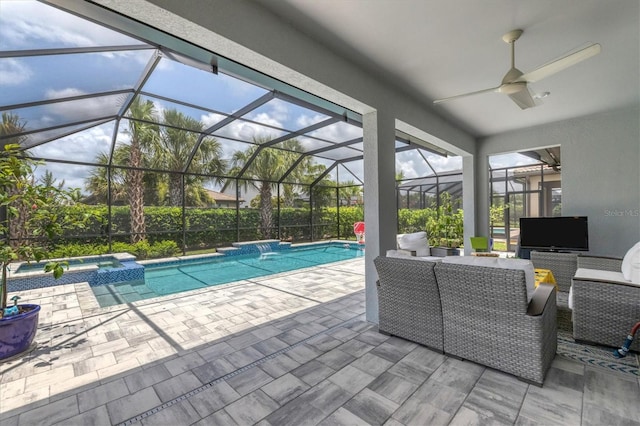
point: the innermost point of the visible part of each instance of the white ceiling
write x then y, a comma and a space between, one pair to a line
440, 48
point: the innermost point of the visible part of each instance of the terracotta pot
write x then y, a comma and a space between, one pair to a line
17, 331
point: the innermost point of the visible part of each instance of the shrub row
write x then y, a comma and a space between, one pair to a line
207, 228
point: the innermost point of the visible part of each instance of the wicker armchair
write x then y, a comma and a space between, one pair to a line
562, 265
605, 305
487, 319
409, 300
599, 262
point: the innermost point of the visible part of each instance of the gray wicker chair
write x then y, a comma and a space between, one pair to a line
562, 265
409, 301
487, 319
604, 310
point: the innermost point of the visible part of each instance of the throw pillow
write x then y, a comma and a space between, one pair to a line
415, 241
631, 264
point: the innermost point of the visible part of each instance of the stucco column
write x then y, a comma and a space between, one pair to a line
469, 202
380, 213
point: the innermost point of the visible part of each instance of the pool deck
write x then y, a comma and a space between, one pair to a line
292, 348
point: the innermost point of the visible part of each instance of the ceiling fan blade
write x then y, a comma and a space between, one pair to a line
560, 64
493, 89
523, 98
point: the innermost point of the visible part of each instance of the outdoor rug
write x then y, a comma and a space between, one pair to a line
597, 356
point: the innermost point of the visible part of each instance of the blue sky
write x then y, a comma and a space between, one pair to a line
29, 24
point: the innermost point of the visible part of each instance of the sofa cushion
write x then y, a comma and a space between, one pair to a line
499, 262
416, 241
609, 277
405, 254
631, 264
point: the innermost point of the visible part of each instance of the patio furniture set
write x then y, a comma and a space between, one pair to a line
476, 309
486, 309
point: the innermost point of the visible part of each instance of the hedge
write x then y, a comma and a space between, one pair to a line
215, 227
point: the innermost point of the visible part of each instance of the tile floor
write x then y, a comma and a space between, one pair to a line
290, 349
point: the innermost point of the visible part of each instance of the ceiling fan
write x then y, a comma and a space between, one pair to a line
514, 83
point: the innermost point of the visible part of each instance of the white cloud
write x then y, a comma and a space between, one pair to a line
14, 72
83, 146
72, 111
407, 168
247, 131
210, 119
25, 24
307, 120
445, 164
338, 132
279, 111
265, 118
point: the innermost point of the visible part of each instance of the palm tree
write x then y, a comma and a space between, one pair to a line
172, 152
97, 184
143, 135
48, 180
263, 173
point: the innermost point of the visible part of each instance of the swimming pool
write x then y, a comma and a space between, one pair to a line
166, 278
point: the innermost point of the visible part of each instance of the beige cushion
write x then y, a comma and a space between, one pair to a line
404, 255
584, 274
631, 264
416, 241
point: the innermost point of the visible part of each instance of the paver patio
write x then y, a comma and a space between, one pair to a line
292, 348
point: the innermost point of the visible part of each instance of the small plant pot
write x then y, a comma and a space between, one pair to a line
18, 331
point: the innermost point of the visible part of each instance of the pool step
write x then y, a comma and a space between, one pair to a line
130, 271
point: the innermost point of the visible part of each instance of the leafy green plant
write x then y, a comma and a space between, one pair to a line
165, 248
36, 207
445, 229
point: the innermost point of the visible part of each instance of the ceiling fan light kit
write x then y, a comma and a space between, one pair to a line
515, 83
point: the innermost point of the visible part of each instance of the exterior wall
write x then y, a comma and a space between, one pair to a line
600, 173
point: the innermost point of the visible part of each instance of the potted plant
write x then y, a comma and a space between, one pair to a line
445, 229
31, 210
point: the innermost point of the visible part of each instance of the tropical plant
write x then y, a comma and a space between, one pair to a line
445, 229
45, 221
11, 128
263, 168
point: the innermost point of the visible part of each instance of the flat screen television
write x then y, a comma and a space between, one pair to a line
565, 233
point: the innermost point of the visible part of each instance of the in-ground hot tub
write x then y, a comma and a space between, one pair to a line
96, 270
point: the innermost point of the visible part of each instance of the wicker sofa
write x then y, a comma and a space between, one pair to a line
605, 305
485, 316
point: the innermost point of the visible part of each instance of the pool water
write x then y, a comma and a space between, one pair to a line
161, 280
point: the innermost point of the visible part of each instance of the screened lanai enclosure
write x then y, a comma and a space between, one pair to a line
170, 148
